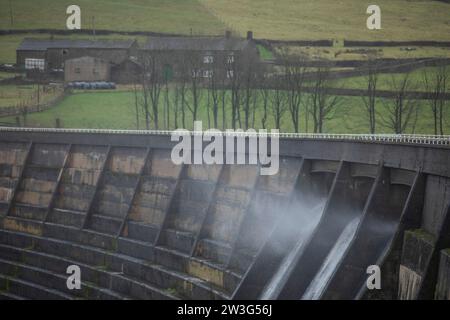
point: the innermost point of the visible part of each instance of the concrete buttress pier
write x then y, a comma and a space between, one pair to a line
443, 282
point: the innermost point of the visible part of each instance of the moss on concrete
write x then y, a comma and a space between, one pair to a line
114, 245
422, 234
171, 291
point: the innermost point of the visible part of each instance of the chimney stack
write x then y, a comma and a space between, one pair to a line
249, 35
228, 34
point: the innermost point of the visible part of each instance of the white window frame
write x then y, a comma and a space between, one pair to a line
207, 73
32, 63
196, 73
208, 59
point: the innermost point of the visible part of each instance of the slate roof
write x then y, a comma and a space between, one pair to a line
44, 44
196, 43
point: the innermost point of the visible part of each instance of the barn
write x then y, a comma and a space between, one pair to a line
126, 72
51, 54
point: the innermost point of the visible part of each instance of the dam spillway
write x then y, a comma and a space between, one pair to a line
141, 227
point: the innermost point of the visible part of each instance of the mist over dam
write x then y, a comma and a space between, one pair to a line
141, 227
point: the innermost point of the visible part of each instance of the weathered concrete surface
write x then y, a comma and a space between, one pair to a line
418, 247
197, 231
443, 283
436, 203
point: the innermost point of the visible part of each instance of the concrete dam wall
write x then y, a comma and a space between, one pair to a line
141, 227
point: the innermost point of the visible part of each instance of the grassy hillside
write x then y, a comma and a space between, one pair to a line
316, 19
280, 19
177, 16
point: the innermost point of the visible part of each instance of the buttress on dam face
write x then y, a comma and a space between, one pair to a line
140, 227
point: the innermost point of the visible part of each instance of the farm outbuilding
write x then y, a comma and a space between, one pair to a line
126, 72
51, 54
87, 69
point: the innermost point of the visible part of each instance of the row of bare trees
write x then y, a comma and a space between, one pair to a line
438, 84
402, 110
240, 93
236, 94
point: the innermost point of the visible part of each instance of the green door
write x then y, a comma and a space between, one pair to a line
167, 72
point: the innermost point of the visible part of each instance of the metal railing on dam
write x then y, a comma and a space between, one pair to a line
140, 226
391, 138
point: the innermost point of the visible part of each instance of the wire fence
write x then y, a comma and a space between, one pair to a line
33, 106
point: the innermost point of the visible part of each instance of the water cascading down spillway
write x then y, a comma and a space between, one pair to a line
323, 276
297, 220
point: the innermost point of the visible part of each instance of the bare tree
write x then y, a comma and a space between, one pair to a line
254, 107
176, 105
214, 91
294, 72
151, 83
437, 84
24, 113
166, 102
181, 88
322, 104
241, 73
370, 97
264, 93
136, 102
279, 102
194, 87
223, 98
144, 98
401, 110
249, 73
235, 85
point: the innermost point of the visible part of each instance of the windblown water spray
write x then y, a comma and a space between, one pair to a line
326, 271
277, 282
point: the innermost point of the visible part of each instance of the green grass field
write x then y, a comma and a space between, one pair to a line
116, 111
385, 80
281, 19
